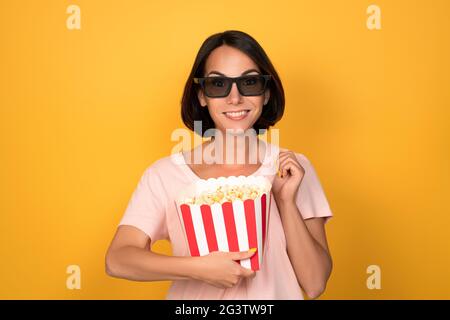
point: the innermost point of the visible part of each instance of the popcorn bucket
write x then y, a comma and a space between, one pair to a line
226, 214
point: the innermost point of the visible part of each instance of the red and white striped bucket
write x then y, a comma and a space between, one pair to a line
229, 226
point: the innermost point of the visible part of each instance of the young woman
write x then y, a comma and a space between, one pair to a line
233, 88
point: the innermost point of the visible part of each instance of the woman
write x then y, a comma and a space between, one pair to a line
296, 256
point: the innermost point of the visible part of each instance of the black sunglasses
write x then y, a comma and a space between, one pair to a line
248, 85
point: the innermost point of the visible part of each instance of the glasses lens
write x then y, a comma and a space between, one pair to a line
216, 86
252, 85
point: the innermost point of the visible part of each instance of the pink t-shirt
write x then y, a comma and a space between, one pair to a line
152, 209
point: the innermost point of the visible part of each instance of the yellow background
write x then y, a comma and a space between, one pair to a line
84, 112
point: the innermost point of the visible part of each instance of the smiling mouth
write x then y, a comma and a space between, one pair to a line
236, 115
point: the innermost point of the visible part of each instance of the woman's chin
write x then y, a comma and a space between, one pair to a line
238, 130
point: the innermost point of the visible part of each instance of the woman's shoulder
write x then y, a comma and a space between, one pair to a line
165, 164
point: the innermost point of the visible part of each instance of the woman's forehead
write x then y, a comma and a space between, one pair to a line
229, 61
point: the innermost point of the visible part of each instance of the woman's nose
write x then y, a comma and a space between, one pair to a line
234, 96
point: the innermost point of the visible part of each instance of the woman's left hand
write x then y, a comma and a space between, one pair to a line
288, 179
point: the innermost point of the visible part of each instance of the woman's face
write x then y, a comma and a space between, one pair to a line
232, 62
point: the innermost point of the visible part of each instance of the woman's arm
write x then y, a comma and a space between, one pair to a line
307, 249
138, 264
306, 240
129, 257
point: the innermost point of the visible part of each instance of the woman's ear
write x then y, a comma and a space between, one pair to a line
266, 96
201, 98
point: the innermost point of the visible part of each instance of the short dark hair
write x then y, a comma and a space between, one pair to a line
191, 110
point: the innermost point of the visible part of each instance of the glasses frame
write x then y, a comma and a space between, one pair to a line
201, 82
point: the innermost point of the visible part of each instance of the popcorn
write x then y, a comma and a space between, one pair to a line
224, 193
227, 214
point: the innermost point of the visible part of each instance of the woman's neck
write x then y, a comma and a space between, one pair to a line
236, 151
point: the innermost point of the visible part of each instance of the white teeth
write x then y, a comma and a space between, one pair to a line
236, 114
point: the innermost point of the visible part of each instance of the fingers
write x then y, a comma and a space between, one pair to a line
243, 254
244, 272
282, 159
247, 273
290, 165
234, 275
287, 163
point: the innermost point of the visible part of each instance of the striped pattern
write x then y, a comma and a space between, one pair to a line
230, 227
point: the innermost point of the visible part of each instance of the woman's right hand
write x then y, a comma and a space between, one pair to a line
220, 269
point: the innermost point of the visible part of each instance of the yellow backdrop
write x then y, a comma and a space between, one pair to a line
85, 111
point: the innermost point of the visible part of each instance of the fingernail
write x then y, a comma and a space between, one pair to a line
252, 250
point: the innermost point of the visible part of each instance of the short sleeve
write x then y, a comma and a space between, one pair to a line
310, 198
146, 208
